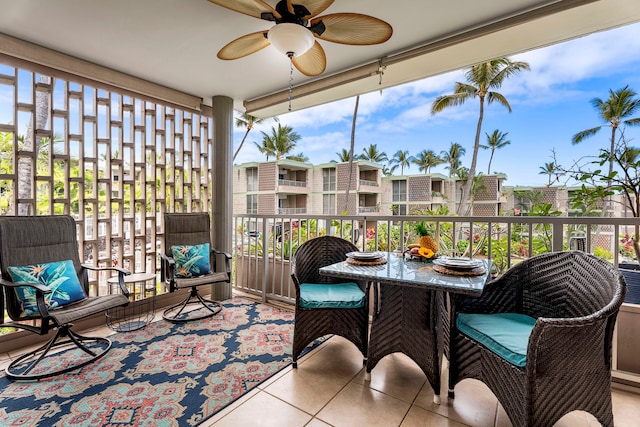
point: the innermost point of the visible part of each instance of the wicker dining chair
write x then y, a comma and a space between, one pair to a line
327, 305
540, 337
46, 288
188, 232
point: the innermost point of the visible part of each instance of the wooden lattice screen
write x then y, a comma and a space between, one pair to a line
114, 161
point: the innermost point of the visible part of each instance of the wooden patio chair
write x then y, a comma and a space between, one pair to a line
188, 262
327, 305
45, 287
540, 337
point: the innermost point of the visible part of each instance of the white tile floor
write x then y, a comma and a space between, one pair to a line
329, 389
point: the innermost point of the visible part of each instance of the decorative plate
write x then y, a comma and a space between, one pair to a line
365, 256
459, 263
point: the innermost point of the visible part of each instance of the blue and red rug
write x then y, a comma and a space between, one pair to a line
163, 375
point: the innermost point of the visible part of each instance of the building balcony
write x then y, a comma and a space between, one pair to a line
291, 211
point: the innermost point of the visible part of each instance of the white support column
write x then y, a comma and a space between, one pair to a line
222, 208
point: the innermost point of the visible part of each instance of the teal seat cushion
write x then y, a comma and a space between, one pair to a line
505, 334
339, 295
191, 261
60, 277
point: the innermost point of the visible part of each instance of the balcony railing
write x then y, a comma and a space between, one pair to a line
261, 266
292, 183
292, 211
368, 183
368, 209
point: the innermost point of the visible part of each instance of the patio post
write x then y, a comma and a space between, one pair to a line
222, 175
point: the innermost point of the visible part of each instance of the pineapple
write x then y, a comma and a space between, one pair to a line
426, 241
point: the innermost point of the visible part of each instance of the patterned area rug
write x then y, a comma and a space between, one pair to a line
163, 375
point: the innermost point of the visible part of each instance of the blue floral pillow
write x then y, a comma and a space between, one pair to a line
191, 261
59, 276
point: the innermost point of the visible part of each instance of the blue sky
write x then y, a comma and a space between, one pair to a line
550, 104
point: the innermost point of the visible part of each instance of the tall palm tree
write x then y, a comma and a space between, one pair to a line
281, 142
452, 158
402, 158
495, 141
345, 211
615, 112
426, 159
247, 121
550, 169
344, 155
372, 154
482, 81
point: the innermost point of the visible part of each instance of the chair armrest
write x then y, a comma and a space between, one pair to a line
38, 286
226, 254
577, 337
41, 291
167, 259
121, 273
118, 269
227, 260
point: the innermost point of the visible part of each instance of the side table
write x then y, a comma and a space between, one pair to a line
142, 302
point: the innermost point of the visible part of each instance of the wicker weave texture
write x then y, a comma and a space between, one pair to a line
575, 298
406, 323
311, 324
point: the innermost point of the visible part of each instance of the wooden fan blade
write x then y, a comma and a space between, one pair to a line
315, 7
313, 62
354, 29
253, 8
244, 46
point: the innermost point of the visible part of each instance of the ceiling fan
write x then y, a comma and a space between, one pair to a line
297, 26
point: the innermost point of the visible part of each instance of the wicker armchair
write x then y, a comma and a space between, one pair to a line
312, 323
189, 230
573, 299
46, 288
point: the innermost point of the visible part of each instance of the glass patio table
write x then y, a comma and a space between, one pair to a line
410, 309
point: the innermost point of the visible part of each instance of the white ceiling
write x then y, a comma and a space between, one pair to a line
174, 42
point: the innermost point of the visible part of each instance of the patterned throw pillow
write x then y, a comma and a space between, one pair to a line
59, 276
191, 261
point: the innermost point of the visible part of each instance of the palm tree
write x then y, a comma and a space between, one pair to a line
614, 111
280, 143
402, 159
344, 155
426, 159
495, 141
372, 154
345, 211
550, 169
267, 148
247, 121
482, 80
300, 157
452, 157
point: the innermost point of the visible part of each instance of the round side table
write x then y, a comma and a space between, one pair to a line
142, 302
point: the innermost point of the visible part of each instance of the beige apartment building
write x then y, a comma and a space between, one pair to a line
288, 187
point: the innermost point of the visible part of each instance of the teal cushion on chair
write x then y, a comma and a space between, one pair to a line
505, 334
60, 277
339, 295
191, 261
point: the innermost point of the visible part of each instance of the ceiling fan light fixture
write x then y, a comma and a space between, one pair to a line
291, 39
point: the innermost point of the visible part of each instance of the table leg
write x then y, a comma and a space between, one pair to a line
407, 323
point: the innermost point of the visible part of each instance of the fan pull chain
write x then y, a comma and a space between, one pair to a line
381, 68
290, 55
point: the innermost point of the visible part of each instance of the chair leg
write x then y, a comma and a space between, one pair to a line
176, 314
28, 366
